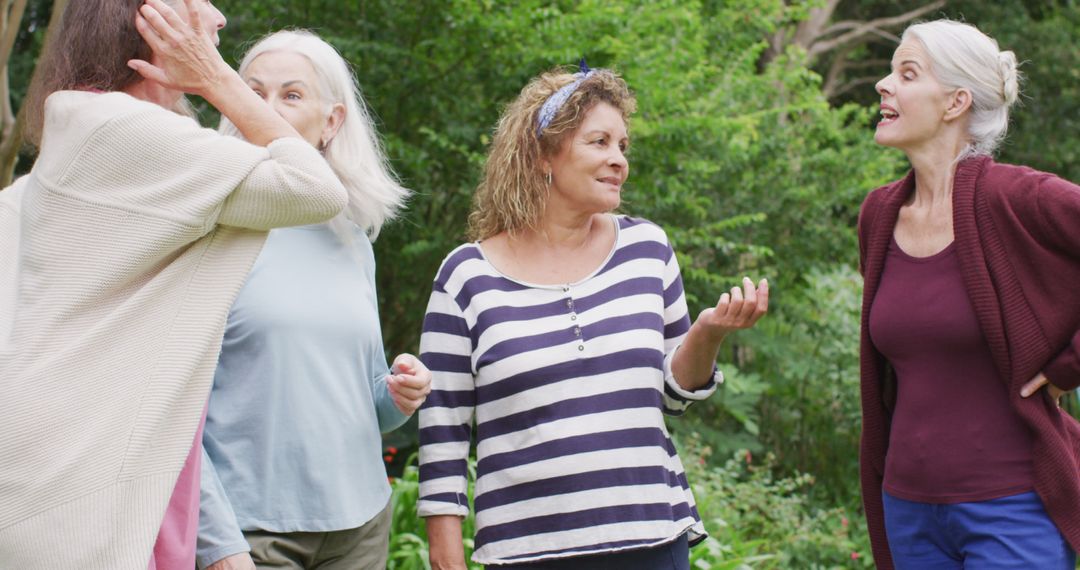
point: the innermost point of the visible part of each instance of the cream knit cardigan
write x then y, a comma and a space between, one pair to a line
120, 255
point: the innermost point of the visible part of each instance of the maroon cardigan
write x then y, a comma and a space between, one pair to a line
1017, 234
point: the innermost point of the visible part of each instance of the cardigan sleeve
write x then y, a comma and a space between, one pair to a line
1058, 204
141, 158
446, 417
294, 186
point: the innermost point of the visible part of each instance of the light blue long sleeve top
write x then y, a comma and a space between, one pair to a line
292, 440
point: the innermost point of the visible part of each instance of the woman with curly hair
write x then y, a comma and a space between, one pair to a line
559, 339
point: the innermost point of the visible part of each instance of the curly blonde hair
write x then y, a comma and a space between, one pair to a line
512, 194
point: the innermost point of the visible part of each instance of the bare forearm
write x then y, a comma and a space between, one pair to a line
693, 363
256, 120
445, 548
737, 309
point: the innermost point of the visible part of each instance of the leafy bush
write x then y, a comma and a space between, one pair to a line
408, 537
759, 521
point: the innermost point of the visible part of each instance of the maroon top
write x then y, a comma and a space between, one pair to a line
1018, 245
939, 451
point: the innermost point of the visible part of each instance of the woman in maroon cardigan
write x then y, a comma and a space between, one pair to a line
970, 327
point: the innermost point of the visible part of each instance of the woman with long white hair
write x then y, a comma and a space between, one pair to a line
293, 475
971, 324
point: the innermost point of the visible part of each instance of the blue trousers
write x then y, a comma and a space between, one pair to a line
671, 556
1012, 532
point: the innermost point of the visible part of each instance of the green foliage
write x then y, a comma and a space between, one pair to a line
408, 538
809, 350
759, 521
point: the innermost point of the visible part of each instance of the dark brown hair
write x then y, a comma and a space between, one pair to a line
90, 51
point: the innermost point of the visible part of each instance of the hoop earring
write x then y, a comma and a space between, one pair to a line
549, 178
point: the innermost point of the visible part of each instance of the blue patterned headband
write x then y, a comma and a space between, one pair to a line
555, 102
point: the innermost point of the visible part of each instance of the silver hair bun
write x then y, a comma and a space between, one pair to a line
1010, 77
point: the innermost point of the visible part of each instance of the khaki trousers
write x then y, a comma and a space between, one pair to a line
362, 548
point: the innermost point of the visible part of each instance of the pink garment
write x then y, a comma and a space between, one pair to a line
175, 546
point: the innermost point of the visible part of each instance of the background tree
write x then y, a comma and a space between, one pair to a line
25, 30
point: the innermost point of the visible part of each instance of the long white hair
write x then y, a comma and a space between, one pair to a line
355, 154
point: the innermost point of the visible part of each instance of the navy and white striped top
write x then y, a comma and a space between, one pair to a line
568, 386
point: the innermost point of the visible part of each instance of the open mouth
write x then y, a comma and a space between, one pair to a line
888, 115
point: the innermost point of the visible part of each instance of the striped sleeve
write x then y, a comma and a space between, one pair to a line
446, 417
676, 324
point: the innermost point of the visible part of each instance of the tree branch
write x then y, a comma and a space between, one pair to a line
871, 27
11, 144
810, 29
12, 18
836, 71
859, 82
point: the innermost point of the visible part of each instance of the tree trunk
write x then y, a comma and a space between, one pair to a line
10, 19
829, 43
11, 137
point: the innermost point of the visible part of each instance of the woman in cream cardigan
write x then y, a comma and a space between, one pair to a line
120, 254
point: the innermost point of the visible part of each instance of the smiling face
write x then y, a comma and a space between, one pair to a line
914, 105
288, 83
589, 170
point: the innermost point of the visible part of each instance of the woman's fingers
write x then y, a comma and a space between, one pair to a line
1033, 385
411, 394
404, 363
1039, 381
740, 307
147, 31
749, 295
169, 16
153, 13
408, 392
411, 379
763, 297
194, 16
147, 71
416, 383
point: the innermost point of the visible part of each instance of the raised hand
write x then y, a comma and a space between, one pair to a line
185, 55
738, 309
409, 383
